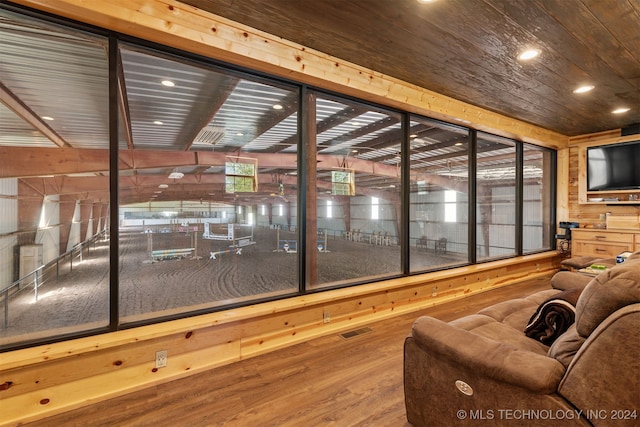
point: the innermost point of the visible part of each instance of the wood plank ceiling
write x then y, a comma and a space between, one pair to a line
467, 49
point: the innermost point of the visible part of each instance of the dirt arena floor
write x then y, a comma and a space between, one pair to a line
78, 299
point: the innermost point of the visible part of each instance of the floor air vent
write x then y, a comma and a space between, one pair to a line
355, 333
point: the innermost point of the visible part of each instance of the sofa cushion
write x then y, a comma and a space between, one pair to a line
504, 322
564, 280
565, 347
575, 263
517, 312
608, 292
488, 327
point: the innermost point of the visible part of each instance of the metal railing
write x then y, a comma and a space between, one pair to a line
45, 273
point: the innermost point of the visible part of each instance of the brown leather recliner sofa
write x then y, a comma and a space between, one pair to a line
483, 370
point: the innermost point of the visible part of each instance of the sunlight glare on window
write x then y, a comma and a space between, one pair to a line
375, 212
449, 206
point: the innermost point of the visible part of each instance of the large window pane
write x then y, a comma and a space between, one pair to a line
208, 188
54, 193
537, 206
358, 176
496, 197
438, 212
212, 179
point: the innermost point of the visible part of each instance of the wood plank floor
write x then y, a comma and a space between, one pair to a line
329, 381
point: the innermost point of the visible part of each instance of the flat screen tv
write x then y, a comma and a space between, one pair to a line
613, 167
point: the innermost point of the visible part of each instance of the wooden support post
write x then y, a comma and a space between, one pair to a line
86, 213
194, 243
346, 208
287, 208
67, 210
29, 211
150, 244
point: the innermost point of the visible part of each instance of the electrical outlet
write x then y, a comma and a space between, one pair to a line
161, 358
326, 318
434, 291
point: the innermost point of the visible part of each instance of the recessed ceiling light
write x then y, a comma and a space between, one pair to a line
277, 107
458, 144
426, 1
529, 54
176, 175
163, 186
583, 89
47, 118
239, 134
157, 122
168, 83
158, 192
620, 110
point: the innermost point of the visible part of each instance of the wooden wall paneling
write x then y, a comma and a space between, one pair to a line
580, 210
67, 382
594, 137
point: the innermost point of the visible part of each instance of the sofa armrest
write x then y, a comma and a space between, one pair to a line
564, 280
486, 357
